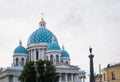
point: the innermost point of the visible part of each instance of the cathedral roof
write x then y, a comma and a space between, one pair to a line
53, 46
64, 53
42, 34
20, 49
82, 71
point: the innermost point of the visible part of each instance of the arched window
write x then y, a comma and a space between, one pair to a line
10, 78
17, 62
57, 58
37, 56
51, 58
22, 61
66, 62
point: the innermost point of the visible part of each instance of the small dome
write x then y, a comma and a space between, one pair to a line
64, 53
20, 49
53, 46
82, 71
41, 35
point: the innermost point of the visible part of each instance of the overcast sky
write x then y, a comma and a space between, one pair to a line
77, 24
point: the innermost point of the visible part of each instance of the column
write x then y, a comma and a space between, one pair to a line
39, 53
14, 62
19, 62
29, 55
54, 59
15, 78
76, 77
59, 59
66, 77
42, 53
71, 77
34, 55
60, 78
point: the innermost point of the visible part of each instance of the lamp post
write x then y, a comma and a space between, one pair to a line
44, 70
37, 75
45, 66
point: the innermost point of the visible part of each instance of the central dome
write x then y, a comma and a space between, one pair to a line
41, 35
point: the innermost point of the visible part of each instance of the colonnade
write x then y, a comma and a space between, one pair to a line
36, 54
68, 77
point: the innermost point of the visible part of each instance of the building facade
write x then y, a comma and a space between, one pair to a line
111, 73
42, 44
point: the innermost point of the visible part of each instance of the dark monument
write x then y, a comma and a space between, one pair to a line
92, 79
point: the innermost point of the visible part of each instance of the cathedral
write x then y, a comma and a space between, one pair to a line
42, 44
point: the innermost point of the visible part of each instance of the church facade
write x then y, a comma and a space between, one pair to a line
42, 44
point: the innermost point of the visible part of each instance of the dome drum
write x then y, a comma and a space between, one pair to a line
20, 55
53, 51
37, 45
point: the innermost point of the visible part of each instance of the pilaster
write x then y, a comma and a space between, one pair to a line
71, 77
66, 77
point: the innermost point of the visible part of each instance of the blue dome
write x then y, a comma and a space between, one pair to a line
53, 46
20, 49
64, 53
82, 71
41, 35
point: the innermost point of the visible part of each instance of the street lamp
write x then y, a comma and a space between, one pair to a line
44, 69
37, 75
45, 66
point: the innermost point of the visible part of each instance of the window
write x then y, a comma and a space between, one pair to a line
62, 61
51, 58
17, 62
22, 61
41, 24
10, 78
63, 77
113, 75
66, 62
57, 58
37, 56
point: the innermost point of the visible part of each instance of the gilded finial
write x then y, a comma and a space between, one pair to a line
42, 19
20, 42
42, 22
63, 47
